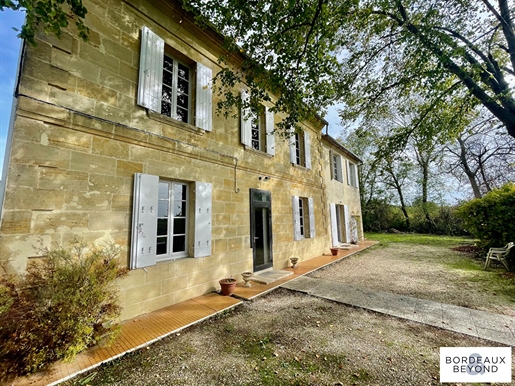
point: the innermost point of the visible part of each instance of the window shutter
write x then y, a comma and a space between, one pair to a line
296, 218
348, 172
311, 207
339, 167
203, 212
144, 221
150, 70
270, 137
246, 120
293, 156
307, 150
334, 224
347, 223
204, 98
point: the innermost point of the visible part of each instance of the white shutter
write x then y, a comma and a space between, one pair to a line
311, 207
348, 172
334, 224
204, 98
144, 221
293, 148
246, 120
347, 223
296, 218
307, 149
203, 213
339, 167
150, 70
270, 137
356, 178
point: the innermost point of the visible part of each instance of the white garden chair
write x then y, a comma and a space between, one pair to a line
499, 254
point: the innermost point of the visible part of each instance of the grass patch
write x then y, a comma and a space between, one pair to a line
415, 238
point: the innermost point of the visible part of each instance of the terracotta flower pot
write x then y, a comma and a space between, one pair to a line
334, 251
227, 286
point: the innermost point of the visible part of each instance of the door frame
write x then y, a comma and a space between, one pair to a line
255, 205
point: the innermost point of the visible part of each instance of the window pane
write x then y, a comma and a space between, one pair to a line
179, 209
181, 115
166, 95
163, 190
168, 63
166, 109
167, 78
162, 227
184, 72
182, 101
182, 86
161, 245
179, 226
179, 192
162, 209
179, 243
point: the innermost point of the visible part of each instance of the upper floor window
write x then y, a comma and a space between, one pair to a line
176, 93
257, 126
300, 152
336, 167
352, 174
168, 82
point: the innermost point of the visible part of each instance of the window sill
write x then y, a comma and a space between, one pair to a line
174, 122
299, 166
259, 152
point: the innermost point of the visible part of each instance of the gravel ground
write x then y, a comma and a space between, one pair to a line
428, 272
288, 338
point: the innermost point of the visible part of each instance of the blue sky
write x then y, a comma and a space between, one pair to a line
9, 52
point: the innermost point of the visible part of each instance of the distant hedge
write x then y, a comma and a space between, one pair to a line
491, 219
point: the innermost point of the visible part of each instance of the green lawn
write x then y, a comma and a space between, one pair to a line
414, 238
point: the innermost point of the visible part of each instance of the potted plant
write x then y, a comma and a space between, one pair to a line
227, 285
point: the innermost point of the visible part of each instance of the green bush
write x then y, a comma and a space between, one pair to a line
491, 219
64, 304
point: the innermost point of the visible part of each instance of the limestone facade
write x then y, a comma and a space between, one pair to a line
79, 139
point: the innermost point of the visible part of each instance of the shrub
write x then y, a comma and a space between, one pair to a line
491, 219
65, 303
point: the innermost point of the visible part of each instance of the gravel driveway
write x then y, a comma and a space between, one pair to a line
287, 338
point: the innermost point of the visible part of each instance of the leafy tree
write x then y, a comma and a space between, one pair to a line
369, 52
483, 154
51, 15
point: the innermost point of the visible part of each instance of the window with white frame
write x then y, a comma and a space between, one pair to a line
162, 212
172, 219
168, 80
336, 167
303, 217
257, 126
300, 152
176, 93
352, 174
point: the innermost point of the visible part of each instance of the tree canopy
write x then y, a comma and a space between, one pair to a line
365, 53
50, 15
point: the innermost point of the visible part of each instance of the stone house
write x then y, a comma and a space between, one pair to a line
117, 139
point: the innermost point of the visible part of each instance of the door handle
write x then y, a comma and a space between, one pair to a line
255, 238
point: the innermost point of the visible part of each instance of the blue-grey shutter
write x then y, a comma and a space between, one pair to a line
150, 70
144, 221
204, 98
307, 149
348, 172
293, 148
246, 120
339, 167
347, 223
203, 216
311, 207
296, 218
334, 224
269, 127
